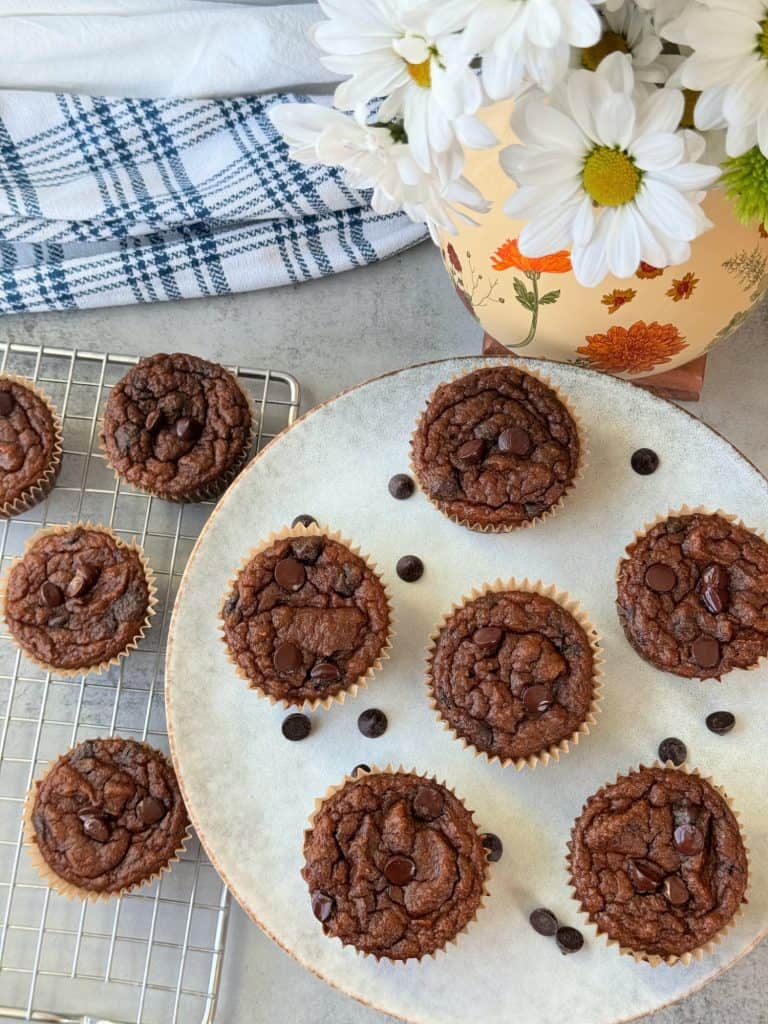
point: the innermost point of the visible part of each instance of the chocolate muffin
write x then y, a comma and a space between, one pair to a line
513, 673
77, 598
495, 449
693, 596
177, 426
307, 618
394, 865
105, 818
658, 862
30, 445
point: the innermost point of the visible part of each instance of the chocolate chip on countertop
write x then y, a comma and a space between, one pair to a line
493, 845
645, 461
569, 940
401, 486
296, 727
303, 520
410, 568
543, 921
372, 723
720, 722
674, 750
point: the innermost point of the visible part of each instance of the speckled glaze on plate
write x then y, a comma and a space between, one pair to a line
249, 792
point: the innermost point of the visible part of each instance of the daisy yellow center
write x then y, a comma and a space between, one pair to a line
762, 39
421, 73
610, 177
609, 42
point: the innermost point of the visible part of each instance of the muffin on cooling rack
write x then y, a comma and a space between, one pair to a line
30, 445
177, 426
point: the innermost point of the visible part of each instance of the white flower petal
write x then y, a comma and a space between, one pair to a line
657, 151
587, 93
662, 111
615, 121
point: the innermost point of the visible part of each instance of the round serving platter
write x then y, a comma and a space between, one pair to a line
250, 792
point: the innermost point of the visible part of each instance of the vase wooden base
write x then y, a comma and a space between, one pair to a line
684, 383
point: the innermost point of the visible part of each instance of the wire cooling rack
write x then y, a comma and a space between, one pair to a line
154, 956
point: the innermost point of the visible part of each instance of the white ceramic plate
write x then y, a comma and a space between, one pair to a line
250, 792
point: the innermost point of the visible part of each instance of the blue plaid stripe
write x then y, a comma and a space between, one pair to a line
106, 201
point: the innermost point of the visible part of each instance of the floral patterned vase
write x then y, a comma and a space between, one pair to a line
656, 321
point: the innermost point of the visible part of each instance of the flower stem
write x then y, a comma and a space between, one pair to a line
533, 276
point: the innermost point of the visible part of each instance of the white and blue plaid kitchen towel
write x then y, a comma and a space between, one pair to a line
114, 201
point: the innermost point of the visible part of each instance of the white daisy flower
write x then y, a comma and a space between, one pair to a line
519, 40
608, 177
425, 78
729, 65
664, 11
378, 157
629, 30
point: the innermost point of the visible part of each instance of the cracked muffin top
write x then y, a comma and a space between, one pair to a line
512, 672
28, 441
108, 815
305, 619
176, 426
658, 862
495, 448
394, 865
77, 598
693, 596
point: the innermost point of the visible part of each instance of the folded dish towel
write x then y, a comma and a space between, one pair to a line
106, 201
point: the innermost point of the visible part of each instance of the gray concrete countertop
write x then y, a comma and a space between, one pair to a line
332, 334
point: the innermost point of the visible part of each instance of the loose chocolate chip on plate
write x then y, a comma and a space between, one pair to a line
399, 870
52, 595
401, 486
515, 440
7, 403
674, 750
296, 727
410, 568
675, 891
706, 651
688, 840
303, 520
290, 574
493, 845
84, 578
537, 699
287, 657
569, 940
720, 722
645, 461
428, 803
472, 451
661, 578
150, 810
543, 921
372, 723
96, 828
188, 429
488, 638
644, 875
360, 768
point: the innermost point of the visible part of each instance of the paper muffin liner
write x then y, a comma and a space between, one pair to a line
572, 606
578, 474
313, 530
216, 487
661, 517
69, 889
655, 959
390, 769
42, 487
66, 673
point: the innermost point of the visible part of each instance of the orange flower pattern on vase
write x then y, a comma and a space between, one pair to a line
617, 298
637, 349
645, 271
508, 255
682, 287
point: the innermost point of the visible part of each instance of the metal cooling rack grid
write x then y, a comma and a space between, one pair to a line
164, 944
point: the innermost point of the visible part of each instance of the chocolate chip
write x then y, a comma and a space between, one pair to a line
372, 723
536, 699
515, 440
543, 921
644, 461
307, 549
322, 906
51, 595
472, 451
303, 520
569, 940
287, 657
481, 735
325, 672
661, 578
125, 435
96, 828
290, 574
399, 870
230, 604
84, 578
488, 638
706, 651
154, 421
644, 875
674, 750
493, 845
720, 722
150, 810
428, 803
7, 403
688, 840
715, 592
188, 429
296, 727
410, 568
675, 891
401, 486
59, 619
365, 768
444, 489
